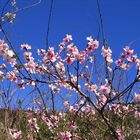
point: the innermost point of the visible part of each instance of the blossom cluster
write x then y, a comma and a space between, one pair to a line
70, 70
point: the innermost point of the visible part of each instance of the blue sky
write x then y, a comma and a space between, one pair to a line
121, 20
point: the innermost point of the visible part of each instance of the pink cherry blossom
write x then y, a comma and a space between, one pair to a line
69, 60
118, 62
92, 87
30, 137
132, 59
65, 135
92, 44
107, 54
73, 78
120, 134
67, 38
21, 84
28, 56
1, 42
2, 67
137, 115
102, 99
41, 52
60, 67
25, 47
31, 83
49, 56
104, 89
123, 56
3, 49
65, 41
54, 119
33, 124
137, 97
12, 76
15, 134
30, 66
128, 52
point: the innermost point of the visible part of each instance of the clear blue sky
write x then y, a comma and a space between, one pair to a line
121, 20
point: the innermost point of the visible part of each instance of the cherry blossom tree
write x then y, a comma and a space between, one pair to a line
101, 104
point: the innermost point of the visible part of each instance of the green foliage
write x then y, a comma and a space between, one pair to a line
89, 126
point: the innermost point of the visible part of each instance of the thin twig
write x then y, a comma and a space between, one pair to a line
48, 26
